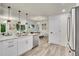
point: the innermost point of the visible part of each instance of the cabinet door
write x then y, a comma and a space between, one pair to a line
25, 44
19, 46
10, 48
22, 45
1, 48
30, 43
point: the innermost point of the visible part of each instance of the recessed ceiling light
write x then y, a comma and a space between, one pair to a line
63, 10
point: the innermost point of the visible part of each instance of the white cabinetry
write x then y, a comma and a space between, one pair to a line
9, 47
24, 44
16, 46
1, 48
30, 42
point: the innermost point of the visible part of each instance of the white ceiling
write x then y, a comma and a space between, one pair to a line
39, 9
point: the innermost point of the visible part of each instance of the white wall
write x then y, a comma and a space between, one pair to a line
62, 18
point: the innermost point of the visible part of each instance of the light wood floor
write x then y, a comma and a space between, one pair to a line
45, 49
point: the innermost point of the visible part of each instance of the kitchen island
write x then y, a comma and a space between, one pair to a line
15, 46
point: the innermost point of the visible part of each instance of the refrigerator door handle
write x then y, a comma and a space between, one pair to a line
68, 29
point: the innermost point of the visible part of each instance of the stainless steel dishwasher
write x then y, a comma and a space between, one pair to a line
35, 41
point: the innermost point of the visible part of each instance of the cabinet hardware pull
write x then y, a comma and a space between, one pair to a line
11, 46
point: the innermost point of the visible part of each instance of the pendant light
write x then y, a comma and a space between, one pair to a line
19, 22
9, 10
26, 18
8, 21
19, 16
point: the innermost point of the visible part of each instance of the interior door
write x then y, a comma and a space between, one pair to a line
54, 30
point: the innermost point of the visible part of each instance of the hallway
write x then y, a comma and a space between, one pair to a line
45, 49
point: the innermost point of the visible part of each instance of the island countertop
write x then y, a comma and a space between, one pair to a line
3, 38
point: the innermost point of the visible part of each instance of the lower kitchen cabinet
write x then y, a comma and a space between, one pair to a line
9, 48
30, 42
24, 44
1, 48
16, 46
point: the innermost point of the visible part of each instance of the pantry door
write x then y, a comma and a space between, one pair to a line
54, 30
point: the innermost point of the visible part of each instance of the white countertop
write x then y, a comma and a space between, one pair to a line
7, 37
3, 38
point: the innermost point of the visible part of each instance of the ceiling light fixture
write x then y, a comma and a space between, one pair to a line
26, 18
9, 14
19, 16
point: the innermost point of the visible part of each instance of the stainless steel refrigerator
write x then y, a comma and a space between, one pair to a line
73, 31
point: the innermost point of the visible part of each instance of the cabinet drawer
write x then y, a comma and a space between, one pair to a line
9, 49
12, 41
